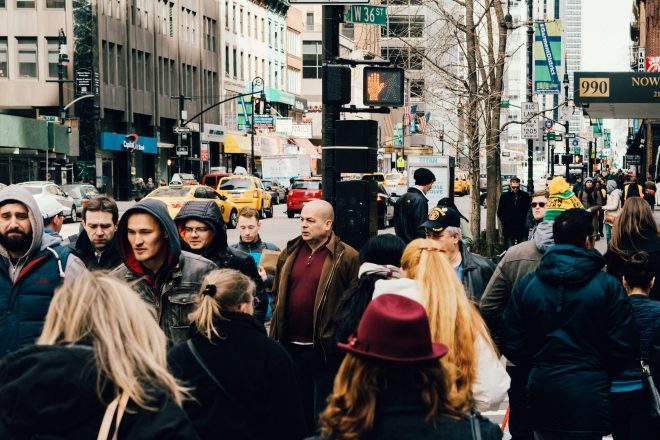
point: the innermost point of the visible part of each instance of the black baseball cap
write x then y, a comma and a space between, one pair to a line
441, 218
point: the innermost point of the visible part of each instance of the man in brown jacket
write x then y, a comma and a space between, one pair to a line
313, 272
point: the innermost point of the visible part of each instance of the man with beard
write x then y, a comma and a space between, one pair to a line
592, 200
203, 232
96, 244
32, 265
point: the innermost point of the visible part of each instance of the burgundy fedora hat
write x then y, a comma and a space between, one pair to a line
394, 328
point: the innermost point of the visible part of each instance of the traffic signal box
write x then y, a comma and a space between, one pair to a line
383, 87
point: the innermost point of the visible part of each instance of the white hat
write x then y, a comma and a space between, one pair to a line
49, 207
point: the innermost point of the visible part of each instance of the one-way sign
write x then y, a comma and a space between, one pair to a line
182, 130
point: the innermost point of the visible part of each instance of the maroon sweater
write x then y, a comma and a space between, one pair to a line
303, 284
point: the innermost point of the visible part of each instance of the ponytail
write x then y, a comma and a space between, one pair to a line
222, 290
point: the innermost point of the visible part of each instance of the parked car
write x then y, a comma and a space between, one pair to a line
394, 179
378, 177
48, 189
302, 191
175, 196
212, 179
184, 179
276, 190
247, 191
81, 193
483, 192
385, 208
461, 184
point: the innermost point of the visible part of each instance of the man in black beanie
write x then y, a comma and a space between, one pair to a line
411, 210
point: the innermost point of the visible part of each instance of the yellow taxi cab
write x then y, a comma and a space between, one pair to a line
461, 184
377, 177
247, 191
394, 179
175, 196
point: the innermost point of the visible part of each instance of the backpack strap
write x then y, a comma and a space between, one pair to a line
64, 256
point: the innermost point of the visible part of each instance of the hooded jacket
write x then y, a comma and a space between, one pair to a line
173, 291
27, 285
519, 261
572, 326
614, 203
49, 392
218, 251
110, 257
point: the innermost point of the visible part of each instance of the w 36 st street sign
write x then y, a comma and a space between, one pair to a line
367, 14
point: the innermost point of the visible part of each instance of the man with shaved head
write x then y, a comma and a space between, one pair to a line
313, 272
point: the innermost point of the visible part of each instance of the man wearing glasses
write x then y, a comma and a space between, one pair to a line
203, 232
512, 212
444, 227
539, 200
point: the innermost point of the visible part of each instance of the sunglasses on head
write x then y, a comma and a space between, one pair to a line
538, 204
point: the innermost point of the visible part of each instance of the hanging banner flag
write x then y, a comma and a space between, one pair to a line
547, 57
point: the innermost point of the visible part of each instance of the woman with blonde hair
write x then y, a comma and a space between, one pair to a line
454, 320
244, 383
99, 369
391, 385
635, 230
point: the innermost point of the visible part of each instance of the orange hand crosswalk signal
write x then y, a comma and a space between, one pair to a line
383, 86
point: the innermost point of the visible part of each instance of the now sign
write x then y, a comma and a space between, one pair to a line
367, 14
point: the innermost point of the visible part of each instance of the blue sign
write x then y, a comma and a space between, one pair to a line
576, 142
130, 142
549, 123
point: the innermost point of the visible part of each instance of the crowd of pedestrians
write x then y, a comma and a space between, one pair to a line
146, 326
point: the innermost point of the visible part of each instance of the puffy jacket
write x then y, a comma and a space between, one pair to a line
410, 212
340, 270
512, 211
477, 271
173, 291
27, 285
613, 206
110, 257
257, 246
218, 251
650, 245
401, 412
572, 325
49, 392
263, 399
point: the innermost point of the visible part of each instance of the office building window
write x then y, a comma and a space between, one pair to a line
417, 89
27, 57
53, 56
147, 71
227, 60
249, 24
140, 71
2, 4
26, 4
293, 80
263, 30
235, 63
406, 26
121, 67
4, 65
241, 69
270, 74
256, 27
405, 57
233, 18
53, 4
270, 32
173, 88
227, 15
134, 67
104, 60
111, 63
241, 20
312, 59
249, 67
309, 21
293, 42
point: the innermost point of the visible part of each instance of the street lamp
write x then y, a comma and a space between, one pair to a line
567, 115
256, 82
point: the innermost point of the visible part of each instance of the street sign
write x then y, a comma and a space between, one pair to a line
559, 137
50, 118
570, 135
530, 129
576, 142
549, 123
367, 14
178, 130
383, 86
264, 122
505, 103
181, 151
549, 136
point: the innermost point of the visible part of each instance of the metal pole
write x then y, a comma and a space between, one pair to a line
568, 165
530, 93
258, 81
330, 49
595, 150
590, 166
567, 126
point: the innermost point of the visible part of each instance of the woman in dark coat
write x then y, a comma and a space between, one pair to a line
243, 383
635, 231
391, 386
100, 351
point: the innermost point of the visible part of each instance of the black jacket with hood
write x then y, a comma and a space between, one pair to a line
49, 392
218, 250
572, 325
172, 292
110, 257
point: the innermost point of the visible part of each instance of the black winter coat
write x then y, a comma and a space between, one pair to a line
49, 392
512, 211
410, 212
477, 271
256, 371
400, 414
218, 250
572, 325
650, 245
110, 257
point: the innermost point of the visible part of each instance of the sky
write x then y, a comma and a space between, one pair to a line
606, 45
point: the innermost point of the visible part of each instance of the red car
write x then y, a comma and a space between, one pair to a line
302, 191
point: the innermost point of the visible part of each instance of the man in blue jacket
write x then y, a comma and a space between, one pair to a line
570, 323
32, 265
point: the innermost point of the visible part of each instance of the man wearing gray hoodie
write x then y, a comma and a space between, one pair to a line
32, 265
612, 208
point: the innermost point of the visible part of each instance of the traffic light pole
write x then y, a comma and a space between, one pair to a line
330, 48
530, 93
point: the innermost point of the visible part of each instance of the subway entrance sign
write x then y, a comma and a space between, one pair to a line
618, 95
383, 87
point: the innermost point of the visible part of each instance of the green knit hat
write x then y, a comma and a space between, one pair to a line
560, 199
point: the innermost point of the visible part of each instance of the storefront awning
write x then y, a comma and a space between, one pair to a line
308, 148
239, 144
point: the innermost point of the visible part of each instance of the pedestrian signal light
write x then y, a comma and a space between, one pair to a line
383, 86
